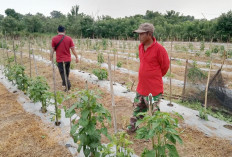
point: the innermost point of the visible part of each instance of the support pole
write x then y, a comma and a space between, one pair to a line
57, 123
112, 96
185, 78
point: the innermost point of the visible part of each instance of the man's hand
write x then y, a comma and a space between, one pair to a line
77, 60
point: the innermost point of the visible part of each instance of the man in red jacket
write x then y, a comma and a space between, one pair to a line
154, 64
62, 44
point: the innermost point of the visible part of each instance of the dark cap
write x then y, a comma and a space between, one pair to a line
61, 28
145, 27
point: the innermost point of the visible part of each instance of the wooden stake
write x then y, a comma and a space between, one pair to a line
14, 51
207, 85
114, 66
57, 123
30, 56
112, 96
151, 114
21, 54
185, 77
170, 95
65, 77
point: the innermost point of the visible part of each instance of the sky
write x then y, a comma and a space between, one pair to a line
200, 9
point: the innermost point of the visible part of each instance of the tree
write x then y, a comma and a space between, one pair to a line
10, 25
224, 26
12, 13
57, 14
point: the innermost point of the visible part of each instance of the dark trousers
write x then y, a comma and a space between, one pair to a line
67, 70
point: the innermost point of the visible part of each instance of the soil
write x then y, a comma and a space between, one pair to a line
24, 134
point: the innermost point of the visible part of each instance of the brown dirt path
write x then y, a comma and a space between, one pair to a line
24, 134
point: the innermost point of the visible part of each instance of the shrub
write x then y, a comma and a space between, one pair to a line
101, 73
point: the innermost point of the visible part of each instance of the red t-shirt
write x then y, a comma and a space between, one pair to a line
154, 64
63, 50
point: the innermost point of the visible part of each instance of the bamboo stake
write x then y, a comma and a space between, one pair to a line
14, 51
57, 123
30, 56
65, 77
112, 96
207, 85
151, 114
170, 96
3, 53
185, 78
21, 54
114, 65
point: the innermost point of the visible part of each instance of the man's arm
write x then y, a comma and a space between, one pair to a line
163, 60
75, 54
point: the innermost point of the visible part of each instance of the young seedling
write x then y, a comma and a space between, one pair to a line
161, 129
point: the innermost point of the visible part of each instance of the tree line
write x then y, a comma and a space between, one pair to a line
169, 26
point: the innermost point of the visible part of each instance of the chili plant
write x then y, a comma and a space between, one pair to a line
121, 142
85, 130
59, 99
195, 74
161, 129
101, 73
22, 81
100, 58
119, 64
203, 113
38, 92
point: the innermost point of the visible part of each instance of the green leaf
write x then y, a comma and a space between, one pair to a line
172, 150
85, 114
178, 139
74, 129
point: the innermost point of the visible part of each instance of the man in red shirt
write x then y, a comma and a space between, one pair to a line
62, 44
154, 64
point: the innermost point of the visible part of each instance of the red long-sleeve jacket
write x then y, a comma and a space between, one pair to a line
154, 64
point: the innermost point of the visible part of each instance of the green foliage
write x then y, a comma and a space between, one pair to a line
203, 113
190, 46
178, 62
104, 43
72, 65
229, 53
38, 91
215, 49
121, 142
195, 74
202, 46
208, 64
119, 64
137, 53
208, 53
168, 26
85, 130
59, 99
100, 73
169, 75
100, 58
161, 129
219, 113
3, 44
16, 75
